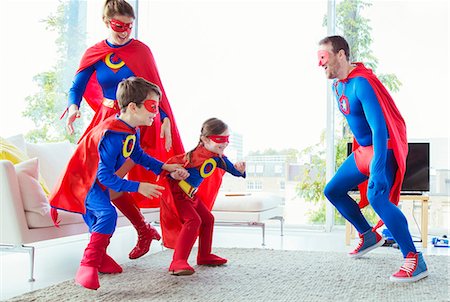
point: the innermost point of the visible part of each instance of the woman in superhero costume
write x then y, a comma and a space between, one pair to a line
186, 214
101, 69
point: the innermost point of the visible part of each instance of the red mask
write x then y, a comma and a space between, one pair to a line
220, 139
323, 57
119, 26
151, 106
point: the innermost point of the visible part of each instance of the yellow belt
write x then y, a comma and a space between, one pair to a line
110, 103
187, 188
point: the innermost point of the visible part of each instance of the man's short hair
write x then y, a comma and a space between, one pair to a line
338, 43
135, 90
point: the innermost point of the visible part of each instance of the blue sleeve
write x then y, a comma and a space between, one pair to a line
79, 85
110, 150
162, 114
228, 166
375, 118
140, 157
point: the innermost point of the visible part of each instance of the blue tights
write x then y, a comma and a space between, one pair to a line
347, 177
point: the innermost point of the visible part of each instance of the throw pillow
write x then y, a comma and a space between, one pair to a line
10, 152
18, 141
53, 159
33, 196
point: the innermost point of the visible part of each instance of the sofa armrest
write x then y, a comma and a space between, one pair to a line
12, 214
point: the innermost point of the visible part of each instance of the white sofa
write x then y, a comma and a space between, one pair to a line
251, 209
24, 214
25, 218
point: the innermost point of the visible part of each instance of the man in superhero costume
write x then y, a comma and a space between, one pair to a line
102, 67
378, 161
91, 173
186, 214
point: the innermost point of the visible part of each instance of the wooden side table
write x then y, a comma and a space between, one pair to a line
350, 231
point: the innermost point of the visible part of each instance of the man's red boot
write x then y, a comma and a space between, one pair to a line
87, 274
146, 233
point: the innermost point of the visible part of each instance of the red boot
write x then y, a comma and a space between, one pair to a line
109, 266
211, 260
146, 233
180, 268
204, 256
87, 274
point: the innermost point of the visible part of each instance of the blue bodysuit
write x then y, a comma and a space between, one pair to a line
374, 160
114, 149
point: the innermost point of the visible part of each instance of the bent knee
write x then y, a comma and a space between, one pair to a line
333, 191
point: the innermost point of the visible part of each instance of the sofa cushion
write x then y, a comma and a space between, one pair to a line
18, 141
9, 151
33, 196
35, 220
53, 159
248, 202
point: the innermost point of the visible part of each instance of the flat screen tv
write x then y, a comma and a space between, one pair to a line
417, 175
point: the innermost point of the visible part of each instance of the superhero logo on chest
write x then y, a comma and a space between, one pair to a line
344, 105
114, 62
207, 168
128, 145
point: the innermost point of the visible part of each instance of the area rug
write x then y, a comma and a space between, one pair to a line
261, 275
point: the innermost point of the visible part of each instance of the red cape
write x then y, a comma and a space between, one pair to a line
396, 129
139, 58
80, 174
207, 193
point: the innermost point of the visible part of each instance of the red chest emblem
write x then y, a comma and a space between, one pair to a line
344, 105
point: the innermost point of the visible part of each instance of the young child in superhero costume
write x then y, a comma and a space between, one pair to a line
91, 174
378, 161
184, 214
101, 69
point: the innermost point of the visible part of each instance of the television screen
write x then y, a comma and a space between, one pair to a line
417, 175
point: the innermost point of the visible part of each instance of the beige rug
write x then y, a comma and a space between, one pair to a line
261, 275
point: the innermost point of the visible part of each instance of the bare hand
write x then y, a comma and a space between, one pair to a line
166, 132
240, 166
171, 167
180, 174
72, 115
150, 190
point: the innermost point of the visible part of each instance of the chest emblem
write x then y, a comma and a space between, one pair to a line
113, 61
207, 168
128, 145
344, 105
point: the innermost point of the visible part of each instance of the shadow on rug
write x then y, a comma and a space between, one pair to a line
261, 275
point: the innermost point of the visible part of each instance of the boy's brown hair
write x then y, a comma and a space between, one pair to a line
135, 90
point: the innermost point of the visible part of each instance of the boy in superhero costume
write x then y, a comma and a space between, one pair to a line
91, 174
101, 69
378, 161
185, 214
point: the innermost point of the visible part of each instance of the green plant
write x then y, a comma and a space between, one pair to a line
45, 106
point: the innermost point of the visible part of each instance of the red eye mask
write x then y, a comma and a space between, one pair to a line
323, 57
220, 139
151, 106
119, 26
